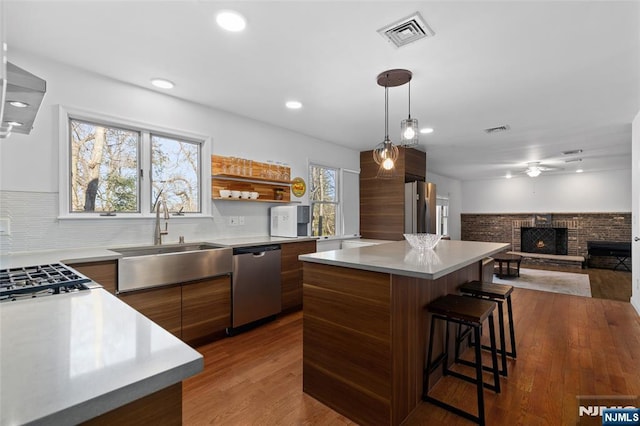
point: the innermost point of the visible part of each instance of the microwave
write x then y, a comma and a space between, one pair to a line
289, 221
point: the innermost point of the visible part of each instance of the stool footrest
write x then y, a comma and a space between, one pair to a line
472, 380
451, 408
507, 353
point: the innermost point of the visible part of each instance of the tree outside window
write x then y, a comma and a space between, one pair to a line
174, 171
104, 168
324, 199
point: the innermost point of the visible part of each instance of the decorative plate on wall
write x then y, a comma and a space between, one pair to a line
298, 187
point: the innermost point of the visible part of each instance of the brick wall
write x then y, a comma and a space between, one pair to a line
505, 228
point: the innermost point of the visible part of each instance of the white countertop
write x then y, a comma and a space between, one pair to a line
400, 259
67, 358
95, 254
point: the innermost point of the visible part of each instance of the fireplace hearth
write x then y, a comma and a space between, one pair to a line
544, 240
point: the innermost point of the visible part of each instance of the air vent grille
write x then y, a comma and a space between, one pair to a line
572, 152
497, 129
407, 30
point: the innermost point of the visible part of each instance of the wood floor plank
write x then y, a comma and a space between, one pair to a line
567, 346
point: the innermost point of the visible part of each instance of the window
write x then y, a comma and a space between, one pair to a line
104, 168
323, 195
117, 167
174, 173
442, 216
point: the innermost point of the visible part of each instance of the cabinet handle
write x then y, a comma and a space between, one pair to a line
636, 239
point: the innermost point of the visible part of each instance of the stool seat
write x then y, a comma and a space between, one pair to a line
462, 308
500, 291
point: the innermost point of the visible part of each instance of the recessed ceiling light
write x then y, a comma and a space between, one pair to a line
14, 123
18, 104
231, 21
426, 130
162, 83
293, 105
508, 175
579, 171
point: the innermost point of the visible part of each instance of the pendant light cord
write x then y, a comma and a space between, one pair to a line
386, 110
409, 99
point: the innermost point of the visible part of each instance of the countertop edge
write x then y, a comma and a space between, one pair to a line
119, 397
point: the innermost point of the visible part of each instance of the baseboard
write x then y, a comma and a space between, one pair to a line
635, 302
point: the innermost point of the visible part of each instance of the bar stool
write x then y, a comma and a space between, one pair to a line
497, 293
470, 312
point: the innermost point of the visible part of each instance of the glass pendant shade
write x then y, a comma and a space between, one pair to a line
409, 132
386, 154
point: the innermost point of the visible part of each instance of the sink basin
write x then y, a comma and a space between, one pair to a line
154, 266
169, 248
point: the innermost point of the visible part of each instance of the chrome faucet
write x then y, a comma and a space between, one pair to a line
160, 204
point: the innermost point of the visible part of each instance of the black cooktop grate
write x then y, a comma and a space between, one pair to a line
31, 279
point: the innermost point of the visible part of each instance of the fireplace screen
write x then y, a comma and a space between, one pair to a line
544, 240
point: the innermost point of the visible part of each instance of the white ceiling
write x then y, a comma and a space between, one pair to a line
562, 75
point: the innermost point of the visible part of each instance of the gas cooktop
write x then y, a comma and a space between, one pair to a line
40, 280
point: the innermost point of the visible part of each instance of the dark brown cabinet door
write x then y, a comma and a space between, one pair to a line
291, 273
206, 309
161, 305
104, 273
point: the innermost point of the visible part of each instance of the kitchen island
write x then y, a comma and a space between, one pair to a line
88, 357
365, 329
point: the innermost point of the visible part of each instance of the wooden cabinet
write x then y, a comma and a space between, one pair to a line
382, 200
291, 273
104, 273
162, 305
206, 309
196, 311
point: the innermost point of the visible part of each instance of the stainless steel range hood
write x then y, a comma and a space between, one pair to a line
24, 93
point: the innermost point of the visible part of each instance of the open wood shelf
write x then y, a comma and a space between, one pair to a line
270, 190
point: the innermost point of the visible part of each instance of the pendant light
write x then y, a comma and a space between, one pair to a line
409, 130
386, 153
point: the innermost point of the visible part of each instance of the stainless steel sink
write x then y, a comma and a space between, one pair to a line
155, 266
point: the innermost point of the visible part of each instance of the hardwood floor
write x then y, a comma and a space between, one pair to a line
567, 346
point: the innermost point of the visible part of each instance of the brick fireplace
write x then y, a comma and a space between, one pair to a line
544, 240
579, 228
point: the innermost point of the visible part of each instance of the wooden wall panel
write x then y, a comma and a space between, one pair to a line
382, 200
104, 273
291, 273
161, 408
347, 341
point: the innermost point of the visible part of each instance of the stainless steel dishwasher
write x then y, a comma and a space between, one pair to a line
255, 288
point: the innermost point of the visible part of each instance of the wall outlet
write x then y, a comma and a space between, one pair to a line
233, 220
5, 226
240, 220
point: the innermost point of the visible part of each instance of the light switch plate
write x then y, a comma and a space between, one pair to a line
241, 220
5, 226
233, 220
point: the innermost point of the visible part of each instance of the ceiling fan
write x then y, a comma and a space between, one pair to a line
535, 168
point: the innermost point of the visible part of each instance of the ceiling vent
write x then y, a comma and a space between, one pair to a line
572, 152
407, 30
573, 160
498, 129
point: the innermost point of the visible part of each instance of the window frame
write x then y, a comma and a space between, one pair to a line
65, 114
338, 203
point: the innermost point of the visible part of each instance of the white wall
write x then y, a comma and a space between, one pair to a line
635, 213
580, 192
451, 189
29, 164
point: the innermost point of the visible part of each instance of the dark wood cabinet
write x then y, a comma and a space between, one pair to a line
104, 273
382, 200
291, 273
206, 309
162, 305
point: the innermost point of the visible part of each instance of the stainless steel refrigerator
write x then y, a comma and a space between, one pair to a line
419, 207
